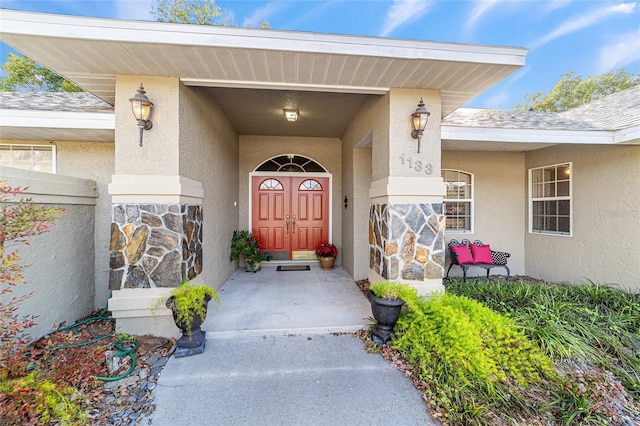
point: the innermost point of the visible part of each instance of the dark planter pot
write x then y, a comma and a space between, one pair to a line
386, 312
197, 336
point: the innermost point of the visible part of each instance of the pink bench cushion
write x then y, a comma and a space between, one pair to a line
481, 254
462, 253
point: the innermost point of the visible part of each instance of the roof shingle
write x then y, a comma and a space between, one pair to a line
53, 101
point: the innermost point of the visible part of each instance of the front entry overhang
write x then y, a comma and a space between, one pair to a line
91, 52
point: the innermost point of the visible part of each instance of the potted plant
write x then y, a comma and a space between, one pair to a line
188, 303
386, 300
327, 254
245, 245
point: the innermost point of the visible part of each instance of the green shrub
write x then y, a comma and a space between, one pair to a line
393, 290
471, 356
34, 400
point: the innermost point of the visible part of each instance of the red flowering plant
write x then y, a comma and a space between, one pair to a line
327, 250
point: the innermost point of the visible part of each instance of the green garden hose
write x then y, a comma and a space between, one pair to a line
123, 351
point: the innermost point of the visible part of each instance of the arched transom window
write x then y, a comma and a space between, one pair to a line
291, 163
271, 185
310, 185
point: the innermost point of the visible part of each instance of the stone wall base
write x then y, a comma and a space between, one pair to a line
425, 287
142, 312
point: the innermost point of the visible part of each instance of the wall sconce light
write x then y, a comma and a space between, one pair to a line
420, 118
291, 114
346, 202
141, 106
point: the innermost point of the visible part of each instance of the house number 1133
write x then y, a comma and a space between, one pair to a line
416, 164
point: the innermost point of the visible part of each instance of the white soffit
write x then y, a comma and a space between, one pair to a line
91, 51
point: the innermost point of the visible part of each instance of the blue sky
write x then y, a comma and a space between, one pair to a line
586, 36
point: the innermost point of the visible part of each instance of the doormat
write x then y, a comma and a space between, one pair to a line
294, 268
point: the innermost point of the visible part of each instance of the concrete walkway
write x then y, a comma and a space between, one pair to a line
270, 359
282, 303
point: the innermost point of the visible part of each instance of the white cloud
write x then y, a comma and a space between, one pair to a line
622, 51
402, 12
262, 14
556, 4
623, 8
480, 9
579, 22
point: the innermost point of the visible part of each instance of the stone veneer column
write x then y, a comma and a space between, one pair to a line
156, 242
406, 241
154, 245
406, 232
406, 221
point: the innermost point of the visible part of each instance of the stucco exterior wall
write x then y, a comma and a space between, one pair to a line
371, 123
254, 150
374, 116
95, 161
605, 218
159, 153
403, 102
499, 203
209, 154
61, 262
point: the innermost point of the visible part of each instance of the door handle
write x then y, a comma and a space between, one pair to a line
287, 224
294, 223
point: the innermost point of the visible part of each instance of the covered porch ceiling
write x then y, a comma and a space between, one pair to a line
326, 77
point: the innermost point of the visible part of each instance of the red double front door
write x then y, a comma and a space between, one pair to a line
290, 215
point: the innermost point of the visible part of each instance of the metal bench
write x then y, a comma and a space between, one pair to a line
499, 259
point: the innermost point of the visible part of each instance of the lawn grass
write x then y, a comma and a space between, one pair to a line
527, 353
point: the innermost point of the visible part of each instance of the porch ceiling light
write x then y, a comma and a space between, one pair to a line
291, 114
420, 118
141, 106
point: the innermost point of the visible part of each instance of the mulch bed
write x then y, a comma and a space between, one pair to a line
67, 358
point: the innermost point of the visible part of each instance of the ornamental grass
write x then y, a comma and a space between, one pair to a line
591, 333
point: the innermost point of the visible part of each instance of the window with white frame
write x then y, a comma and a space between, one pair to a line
550, 199
458, 201
40, 158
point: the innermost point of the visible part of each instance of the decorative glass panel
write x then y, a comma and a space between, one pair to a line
291, 163
310, 185
271, 185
